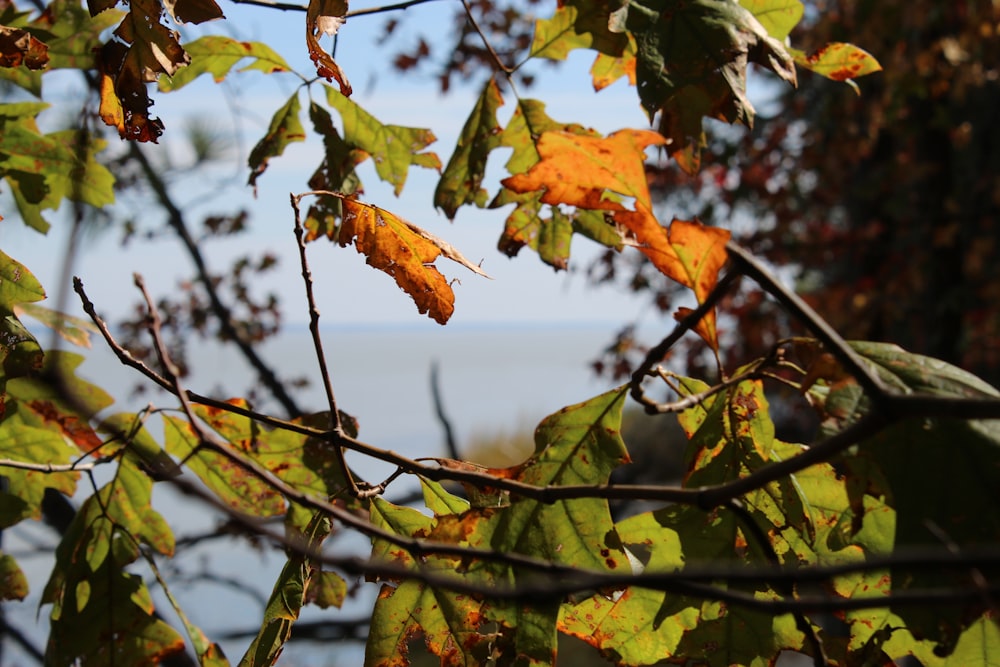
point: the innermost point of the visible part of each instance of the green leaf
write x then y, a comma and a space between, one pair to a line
76, 33
778, 17
139, 445
285, 129
393, 148
76, 174
577, 25
287, 598
308, 464
336, 174
461, 182
101, 614
13, 583
839, 62
17, 284
25, 489
233, 485
217, 55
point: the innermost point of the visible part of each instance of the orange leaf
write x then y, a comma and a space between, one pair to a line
588, 171
689, 252
405, 252
325, 17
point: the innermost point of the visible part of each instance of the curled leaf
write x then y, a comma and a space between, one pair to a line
404, 251
324, 17
18, 47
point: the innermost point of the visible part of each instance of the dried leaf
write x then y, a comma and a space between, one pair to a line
326, 17
405, 252
18, 47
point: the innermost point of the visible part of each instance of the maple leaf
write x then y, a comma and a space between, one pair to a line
404, 251
585, 171
324, 17
692, 62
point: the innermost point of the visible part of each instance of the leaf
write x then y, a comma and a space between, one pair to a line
577, 25
687, 252
326, 17
25, 489
74, 173
193, 11
13, 583
580, 444
233, 485
289, 594
77, 34
128, 430
71, 329
583, 171
405, 252
839, 61
285, 129
18, 47
392, 147
209, 653
608, 69
307, 464
144, 49
335, 173
17, 284
217, 55
692, 62
461, 182
101, 614
777, 16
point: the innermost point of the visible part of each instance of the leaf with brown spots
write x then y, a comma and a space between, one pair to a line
405, 252
324, 17
839, 61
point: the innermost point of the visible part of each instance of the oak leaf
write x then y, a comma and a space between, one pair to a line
404, 251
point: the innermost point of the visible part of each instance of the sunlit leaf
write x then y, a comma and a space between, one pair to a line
393, 148
25, 489
77, 34
577, 25
285, 128
777, 16
233, 485
217, 55
839, 61
582, 171
405, 252
13, 583
17, 284
608, 69
461, 182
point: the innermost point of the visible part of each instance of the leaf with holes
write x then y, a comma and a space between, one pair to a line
324, 17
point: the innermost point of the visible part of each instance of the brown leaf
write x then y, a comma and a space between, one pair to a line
405, 252
18, 47
326, 17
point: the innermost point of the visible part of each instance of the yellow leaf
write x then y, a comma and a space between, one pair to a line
588, 171
405, 252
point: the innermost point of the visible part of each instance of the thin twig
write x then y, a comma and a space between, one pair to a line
294, 7
336, 422
175, 219
486, 42
449, 434
47, 467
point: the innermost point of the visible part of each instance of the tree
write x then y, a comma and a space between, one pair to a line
881, 203
834, 549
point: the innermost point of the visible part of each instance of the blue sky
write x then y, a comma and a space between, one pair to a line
350, 293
